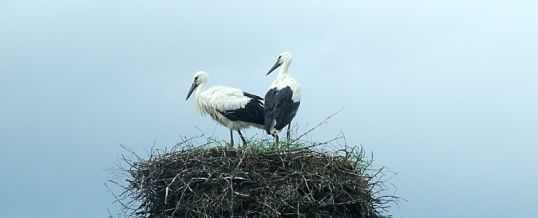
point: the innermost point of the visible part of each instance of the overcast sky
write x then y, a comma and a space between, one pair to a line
445, 93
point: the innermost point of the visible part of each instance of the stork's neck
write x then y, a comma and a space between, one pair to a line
199, 89
198, 104
284, 68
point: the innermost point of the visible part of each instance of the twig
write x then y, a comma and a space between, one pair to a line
315, 127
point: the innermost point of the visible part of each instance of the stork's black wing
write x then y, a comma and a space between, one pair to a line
252, 112
279, 107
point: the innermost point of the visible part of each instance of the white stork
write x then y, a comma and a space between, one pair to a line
283, 98
231, 107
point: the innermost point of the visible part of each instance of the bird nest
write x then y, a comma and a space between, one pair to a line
252, 182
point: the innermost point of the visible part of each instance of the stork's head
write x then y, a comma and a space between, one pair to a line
199, 78
283, 58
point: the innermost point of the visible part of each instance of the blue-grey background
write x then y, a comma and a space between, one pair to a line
442, 92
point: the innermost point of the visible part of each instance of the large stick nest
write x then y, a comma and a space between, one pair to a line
222, 182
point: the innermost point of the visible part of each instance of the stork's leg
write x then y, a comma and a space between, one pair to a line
242, 138
288, 134
275, 134
231, 138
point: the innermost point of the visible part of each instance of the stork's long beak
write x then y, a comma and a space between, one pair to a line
277, 64
193, 87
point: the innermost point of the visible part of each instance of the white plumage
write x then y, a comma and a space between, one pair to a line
284, 80
230, 107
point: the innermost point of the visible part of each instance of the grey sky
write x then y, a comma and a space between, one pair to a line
442, 92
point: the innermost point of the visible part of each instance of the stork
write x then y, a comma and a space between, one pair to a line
230, 107
283, 98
